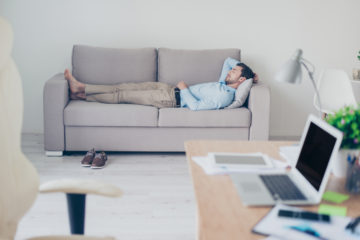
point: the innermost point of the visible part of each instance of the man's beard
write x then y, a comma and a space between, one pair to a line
230, 81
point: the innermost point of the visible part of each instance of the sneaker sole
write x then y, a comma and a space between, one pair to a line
85, 165
97, 167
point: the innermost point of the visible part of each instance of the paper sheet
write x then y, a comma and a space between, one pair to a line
273, 238
290, 153
272, 225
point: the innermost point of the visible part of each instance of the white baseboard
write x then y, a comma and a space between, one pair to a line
54, 153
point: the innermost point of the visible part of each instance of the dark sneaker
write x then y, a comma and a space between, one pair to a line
99, 160
88, 159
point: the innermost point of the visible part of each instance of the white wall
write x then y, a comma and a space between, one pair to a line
267, 31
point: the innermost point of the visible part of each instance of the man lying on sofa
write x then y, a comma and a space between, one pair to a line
204, 96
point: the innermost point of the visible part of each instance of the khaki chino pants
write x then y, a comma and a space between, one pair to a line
156, 94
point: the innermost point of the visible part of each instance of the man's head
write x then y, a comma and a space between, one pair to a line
239, 73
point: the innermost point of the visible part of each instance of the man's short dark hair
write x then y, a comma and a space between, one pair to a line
246, 71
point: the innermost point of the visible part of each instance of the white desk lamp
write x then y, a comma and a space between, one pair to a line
290, 72
336, 91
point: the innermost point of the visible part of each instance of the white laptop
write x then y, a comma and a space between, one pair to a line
306, 181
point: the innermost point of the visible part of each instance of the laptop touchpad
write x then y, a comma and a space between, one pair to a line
250, 187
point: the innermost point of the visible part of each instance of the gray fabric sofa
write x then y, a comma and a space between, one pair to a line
74, 125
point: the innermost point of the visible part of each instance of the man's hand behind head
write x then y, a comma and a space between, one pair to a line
255, 78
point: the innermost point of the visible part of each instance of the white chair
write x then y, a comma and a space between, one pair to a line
335, 91
19, 182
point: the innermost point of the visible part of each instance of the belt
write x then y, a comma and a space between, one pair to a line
177, 97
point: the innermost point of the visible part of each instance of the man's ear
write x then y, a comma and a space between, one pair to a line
241, 79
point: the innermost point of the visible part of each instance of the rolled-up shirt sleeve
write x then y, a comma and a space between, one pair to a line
195, 104
229, 63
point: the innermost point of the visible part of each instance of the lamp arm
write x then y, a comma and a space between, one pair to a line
311, 75
309, 63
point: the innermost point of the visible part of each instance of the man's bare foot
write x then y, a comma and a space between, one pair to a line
77, 89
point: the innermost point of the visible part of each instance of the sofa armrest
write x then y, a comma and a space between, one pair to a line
56, 97
80, 186
259, 106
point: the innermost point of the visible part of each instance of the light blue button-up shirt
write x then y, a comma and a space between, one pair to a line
209, 96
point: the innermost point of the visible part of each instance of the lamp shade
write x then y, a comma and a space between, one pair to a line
291, 71
336, 91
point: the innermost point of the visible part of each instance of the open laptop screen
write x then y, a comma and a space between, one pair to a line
315, 154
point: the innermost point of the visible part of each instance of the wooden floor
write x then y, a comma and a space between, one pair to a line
158, 201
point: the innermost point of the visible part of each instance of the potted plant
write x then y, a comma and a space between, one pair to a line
347, 120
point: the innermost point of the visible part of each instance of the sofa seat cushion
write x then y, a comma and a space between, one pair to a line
184, 117
82, 113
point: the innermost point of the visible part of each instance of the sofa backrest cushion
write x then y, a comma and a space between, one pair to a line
97, 65
192, 66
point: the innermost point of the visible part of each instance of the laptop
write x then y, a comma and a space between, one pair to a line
305, 183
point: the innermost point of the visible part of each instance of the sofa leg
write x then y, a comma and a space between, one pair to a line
54, 153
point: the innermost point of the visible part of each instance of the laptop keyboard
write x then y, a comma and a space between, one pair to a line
281, 187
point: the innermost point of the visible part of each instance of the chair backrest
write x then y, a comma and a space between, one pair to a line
18, 178
335, 91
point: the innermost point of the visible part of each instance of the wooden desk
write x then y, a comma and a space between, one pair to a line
220, 213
